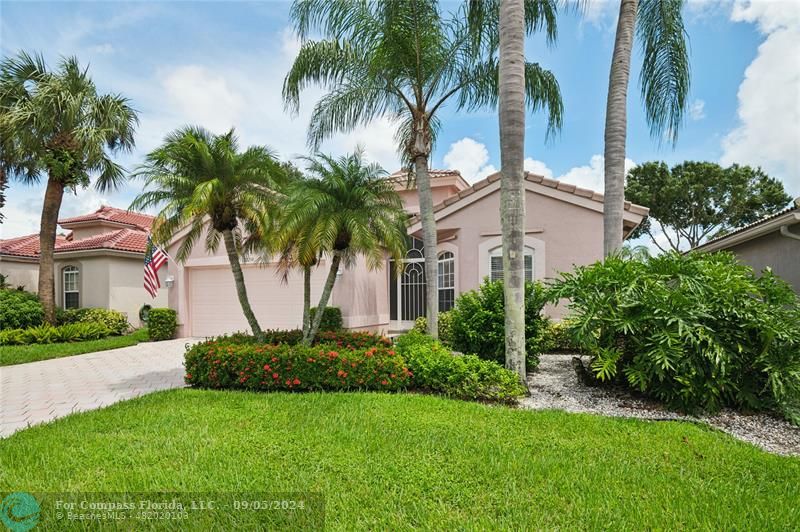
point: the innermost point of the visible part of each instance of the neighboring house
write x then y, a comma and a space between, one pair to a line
564, 228
772, 242
99, 263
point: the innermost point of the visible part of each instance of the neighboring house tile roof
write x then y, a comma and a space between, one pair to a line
25, 246
114, 215
433, 173
131, 239
552, 183
719, 241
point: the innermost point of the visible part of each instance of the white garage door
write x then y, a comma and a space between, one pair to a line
214, 306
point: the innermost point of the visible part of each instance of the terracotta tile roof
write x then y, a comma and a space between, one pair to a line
533, 178
402, 174
112, 214
25, 246
120, 240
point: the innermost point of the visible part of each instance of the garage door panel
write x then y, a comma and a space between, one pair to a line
215, 309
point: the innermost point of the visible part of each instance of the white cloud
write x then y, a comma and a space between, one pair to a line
537, 167
697, 110
768, 133
203, 97
591, 176
469, 157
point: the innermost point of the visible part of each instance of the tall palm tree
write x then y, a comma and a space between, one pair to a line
202, 181
55, 124
404, 60
505, 22
664, 80
345, 209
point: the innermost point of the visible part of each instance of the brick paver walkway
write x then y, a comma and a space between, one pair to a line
42, 391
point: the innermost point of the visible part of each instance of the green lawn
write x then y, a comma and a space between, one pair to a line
383, 461
19, 354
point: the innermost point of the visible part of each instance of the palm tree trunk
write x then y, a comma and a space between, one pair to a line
324, 298
617, 128
512, 199
238, 277
53, 195
306, 300
428, 244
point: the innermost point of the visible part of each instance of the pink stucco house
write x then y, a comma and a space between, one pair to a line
564, 229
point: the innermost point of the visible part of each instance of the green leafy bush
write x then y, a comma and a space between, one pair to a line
436, 369
331, 318
445, 326
47, 334
267, 367
556, 336
161, 324
344, 339
70, 315
113, 319
478, 321
698, 331
19, 310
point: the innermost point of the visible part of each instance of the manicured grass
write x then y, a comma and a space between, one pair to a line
19, 354
401, 461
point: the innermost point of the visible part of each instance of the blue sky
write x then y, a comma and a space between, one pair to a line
222, 65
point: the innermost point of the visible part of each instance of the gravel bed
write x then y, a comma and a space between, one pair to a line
554, 385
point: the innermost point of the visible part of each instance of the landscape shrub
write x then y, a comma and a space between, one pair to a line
436, 369
19, 309
331, 318
161, 324
266, 367
113, 319
47, 334
478, 321
697, 331
445, 326
556, 336
344, 339
69, 315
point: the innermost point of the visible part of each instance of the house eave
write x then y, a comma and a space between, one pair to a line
751, 233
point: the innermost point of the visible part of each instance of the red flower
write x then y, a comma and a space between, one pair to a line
342, 373
384, 382
274, 359
188, 375
274, 375
296, 381
266, 367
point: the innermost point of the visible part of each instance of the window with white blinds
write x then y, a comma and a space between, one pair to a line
496, 264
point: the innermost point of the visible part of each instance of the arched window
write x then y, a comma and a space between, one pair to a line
71, 287
496, 264
447, 281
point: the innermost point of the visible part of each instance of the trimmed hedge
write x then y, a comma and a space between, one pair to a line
266, 367
697, 331
19, 309
479, 321
436, 369
47, 334
161, 324
342, 339
331, 319
445, 326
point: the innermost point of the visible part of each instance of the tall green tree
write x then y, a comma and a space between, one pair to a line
345, 209
404, 60
196, 176
694, 201
56, 126
664, 80
503, 24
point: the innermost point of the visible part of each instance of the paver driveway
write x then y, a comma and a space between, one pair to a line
41, 391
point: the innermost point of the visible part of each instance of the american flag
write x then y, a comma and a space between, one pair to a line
154, 259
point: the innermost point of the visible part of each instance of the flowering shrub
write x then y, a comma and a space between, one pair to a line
436, 369
341, 339
221, 363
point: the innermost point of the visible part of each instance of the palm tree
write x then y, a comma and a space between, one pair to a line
664, 81
55, 124
345, 209
203, 182
506, 22
400, 59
